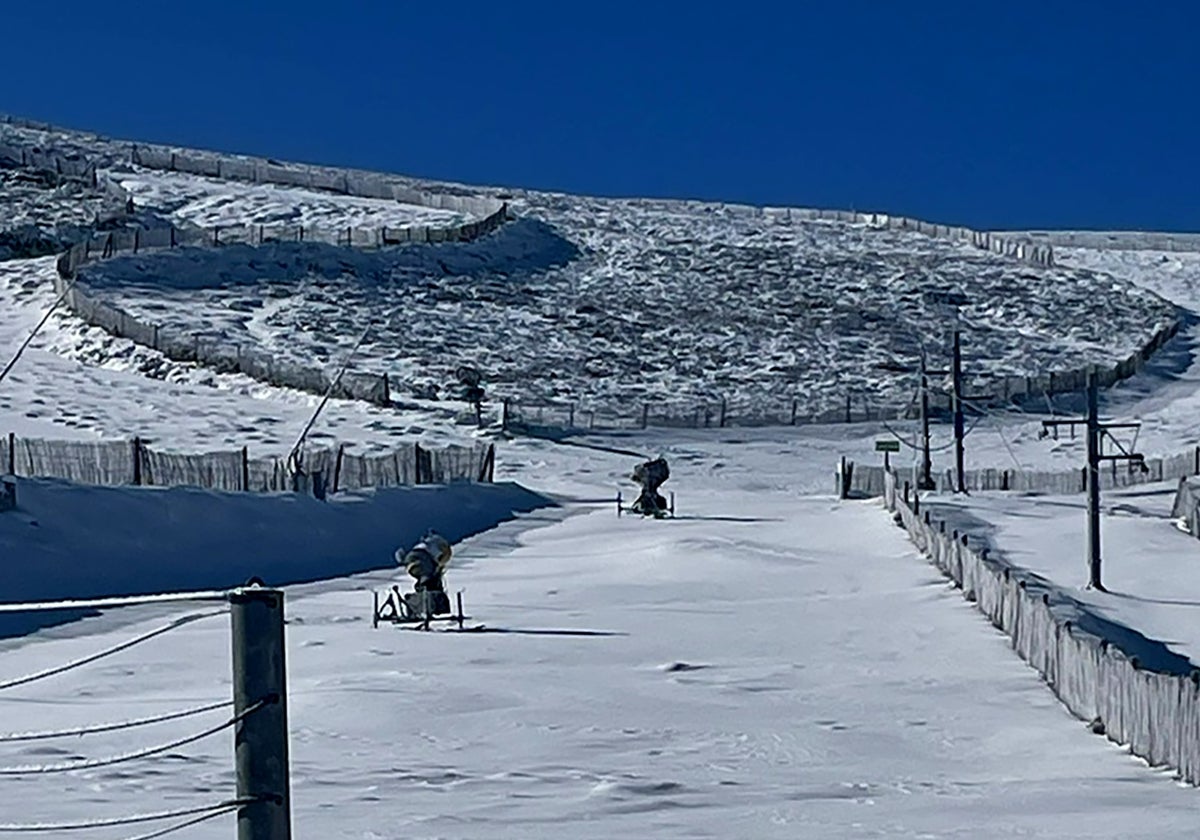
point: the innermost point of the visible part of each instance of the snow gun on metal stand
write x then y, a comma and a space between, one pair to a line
426, 563
651, 475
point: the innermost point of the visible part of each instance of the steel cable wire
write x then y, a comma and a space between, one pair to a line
15, 737
222, 807
90, 764
87, 660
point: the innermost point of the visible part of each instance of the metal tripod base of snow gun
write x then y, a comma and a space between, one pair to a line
417, 610
665, 512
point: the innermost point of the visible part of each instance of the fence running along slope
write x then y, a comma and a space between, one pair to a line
135, 463
773, 411
218, 353
870, 480
1152, 707
225, 356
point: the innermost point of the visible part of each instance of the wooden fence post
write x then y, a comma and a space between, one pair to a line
387, 389
260, 696
12, 454
487, 470
645, 414
418, 472
245, 469
794, 412
847, 408
724, 406
337, 466
137, 461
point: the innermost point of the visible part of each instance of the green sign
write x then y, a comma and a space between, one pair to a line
887, 446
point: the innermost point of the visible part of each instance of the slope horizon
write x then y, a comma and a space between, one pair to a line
1023, 118
490, 186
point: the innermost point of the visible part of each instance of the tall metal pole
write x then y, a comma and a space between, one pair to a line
261, 738
959, 425
1093, 483
926, 482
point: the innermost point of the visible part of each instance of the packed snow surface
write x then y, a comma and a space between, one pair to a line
767, 665
209, 202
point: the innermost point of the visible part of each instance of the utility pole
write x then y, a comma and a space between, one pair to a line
959, 425
925, 477
260, 696
1096, 432
926, 480
1093, 483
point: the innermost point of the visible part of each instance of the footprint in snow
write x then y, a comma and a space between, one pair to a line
675, 667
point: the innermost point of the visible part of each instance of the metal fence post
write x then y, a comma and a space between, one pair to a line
261, 738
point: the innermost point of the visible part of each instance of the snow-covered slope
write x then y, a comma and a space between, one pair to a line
612, 303
209, 202
764, 666
772, 663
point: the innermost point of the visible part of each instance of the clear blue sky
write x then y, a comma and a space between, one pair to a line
994, 115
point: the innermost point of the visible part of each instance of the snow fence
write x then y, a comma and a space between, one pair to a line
870, 480
71, 167
1018, 246
216, 352
1155, 711
224, 356
569, 417
1120, 240
135, 462
1186, 507
577, 417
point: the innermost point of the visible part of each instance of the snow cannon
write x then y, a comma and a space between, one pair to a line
426, 564
651, 475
